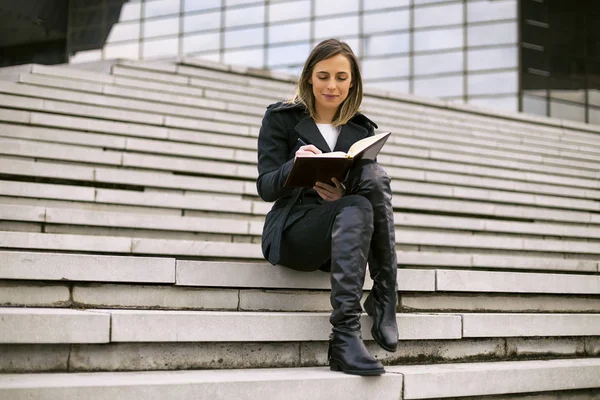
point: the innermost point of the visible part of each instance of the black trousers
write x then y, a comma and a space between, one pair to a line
306, 244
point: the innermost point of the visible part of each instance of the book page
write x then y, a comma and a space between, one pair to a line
362, 144
333, 154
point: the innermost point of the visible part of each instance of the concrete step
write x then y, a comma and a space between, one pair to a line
455, 302
185, 143
32, 325
406, 382
98, 268
524, 182
131, 105
128, 245
162, 246
495, 203
469, 118
39, 325
187, 203
297, 383
101, 87
82, 154
411, 114
232, 111
253, 225
466, 183
433, 238
480, 379
139, 178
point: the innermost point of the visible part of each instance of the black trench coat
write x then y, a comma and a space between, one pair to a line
282, 126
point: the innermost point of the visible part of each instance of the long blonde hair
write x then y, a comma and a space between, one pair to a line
304, 94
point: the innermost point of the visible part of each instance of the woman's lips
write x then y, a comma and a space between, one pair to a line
330, 96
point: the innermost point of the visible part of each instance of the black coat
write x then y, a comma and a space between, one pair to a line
282, 126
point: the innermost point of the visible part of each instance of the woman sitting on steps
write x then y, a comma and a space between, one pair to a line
334, 226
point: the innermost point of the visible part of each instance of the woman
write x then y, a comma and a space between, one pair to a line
335, 226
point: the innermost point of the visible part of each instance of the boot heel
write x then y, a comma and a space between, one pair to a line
335, 366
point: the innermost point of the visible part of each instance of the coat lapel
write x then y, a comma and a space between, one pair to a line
308, 131
350, 134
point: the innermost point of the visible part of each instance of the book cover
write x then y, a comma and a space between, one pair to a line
322, 167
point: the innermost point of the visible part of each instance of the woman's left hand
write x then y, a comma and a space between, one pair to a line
329, 192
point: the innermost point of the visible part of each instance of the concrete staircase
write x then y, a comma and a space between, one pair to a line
130, 264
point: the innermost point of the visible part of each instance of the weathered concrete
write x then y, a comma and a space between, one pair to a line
513, 282
248, 384
498, 302
592, 346
415, 351
128, 296
177, 356
76, 267
25, 294
513, 325
29, 358
270, 300
548, 347
479, 379
39, 325
181, 326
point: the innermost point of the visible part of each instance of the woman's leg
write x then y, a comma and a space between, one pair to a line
346, 228
371, 181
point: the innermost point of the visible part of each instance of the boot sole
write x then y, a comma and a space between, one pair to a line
380, 343
361, 372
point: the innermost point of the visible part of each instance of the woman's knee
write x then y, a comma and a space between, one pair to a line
370, 178
354, 200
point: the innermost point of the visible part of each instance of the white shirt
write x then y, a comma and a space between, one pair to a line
330, 133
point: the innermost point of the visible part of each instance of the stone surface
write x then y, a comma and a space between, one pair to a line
514, 282
415, 351
264, 275
29, 358
479, 379
144, 221
23, 294
504, 261
39, 325
554, 347
296, 383
271, 300
592, 346
177, 356
181, 326
498, 302
513, 325
154, 297
76, 267
40, 190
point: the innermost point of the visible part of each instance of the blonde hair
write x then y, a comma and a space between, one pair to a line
304, 94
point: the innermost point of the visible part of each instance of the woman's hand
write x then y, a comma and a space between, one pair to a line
329, 192
308, 150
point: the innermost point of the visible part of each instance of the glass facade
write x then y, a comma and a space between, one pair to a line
459, 50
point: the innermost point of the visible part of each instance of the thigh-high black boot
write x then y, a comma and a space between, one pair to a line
372, 182
351, 234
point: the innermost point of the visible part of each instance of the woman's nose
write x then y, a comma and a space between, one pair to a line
331, 84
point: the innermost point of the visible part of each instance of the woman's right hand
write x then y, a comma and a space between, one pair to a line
307, 150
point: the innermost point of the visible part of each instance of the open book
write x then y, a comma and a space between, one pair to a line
322, 167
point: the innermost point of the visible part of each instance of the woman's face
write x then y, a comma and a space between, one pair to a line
331, 81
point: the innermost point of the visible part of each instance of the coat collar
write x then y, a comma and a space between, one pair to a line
307, 129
